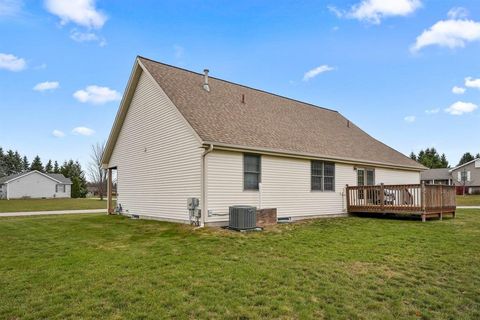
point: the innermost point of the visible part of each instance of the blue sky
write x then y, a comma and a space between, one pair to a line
388, 65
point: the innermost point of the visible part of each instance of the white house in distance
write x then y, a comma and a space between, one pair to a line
181, 134
35, 184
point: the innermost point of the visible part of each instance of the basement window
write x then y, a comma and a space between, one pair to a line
251, 171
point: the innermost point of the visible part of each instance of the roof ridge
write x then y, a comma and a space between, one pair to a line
240, 85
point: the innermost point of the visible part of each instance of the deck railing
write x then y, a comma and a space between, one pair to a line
426, 200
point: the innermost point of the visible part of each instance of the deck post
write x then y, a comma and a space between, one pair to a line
441, 202
109, 192
382, 197
347, 197
424, 196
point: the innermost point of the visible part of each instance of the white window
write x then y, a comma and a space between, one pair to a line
60, 188
252, 171
322, 176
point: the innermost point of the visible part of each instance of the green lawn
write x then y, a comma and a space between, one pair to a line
99, 266
50, 204
469, 200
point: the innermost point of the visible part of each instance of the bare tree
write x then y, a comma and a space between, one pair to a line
98, 175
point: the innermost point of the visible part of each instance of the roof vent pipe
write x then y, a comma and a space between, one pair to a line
205, 83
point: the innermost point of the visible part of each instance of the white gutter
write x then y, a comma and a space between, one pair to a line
203, 200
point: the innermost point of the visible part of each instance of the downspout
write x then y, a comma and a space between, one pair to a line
203, 186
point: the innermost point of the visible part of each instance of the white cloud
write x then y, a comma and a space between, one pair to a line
457, 13
83, 131
81, 12
339, 13
79, 36
448, 33
472, 83
374, 11
83, 36
410, 119
460, 107
11, 62
10, 7
47, 85
58, 133
316, 71
458, 90
432, 111
96, 95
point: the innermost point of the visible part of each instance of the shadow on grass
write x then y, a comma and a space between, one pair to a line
393, 216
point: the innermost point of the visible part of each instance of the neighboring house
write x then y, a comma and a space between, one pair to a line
181, 134
35, 184
468, 175
92, 189
437, 176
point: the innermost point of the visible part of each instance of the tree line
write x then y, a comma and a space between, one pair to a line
430, 158
11, 162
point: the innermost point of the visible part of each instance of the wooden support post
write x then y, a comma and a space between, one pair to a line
382, 197
441, 202
347, 197
423, 201
109, 192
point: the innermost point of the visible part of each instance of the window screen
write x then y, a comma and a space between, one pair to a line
322, 175
251, 171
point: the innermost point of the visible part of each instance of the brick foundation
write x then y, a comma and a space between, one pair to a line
266, 217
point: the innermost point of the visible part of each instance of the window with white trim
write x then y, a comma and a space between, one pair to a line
322, 176
252, 171
60, 188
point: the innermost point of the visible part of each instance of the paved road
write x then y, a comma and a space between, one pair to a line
39, 213
468, 207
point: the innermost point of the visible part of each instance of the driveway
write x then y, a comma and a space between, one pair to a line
40, 213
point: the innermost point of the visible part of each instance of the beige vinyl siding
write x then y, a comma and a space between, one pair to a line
35, 185
286, 185
157, 156
393, 176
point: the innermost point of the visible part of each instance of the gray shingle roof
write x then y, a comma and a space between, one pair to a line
435, 174
56, 176
267, 121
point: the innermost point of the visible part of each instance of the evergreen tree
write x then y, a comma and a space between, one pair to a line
467, 157
73, 170
431, 159
56, 168
25, 164
444, 162
477, 156
3, 169
37, 164
12, 162
413, 156
18, 162
49, 167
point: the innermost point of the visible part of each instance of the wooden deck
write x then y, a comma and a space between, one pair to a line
414, 199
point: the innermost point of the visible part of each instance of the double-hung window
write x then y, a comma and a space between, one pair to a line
322, 176
252, 171
60, 188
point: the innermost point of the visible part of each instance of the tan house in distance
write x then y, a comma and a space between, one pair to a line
180, 134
